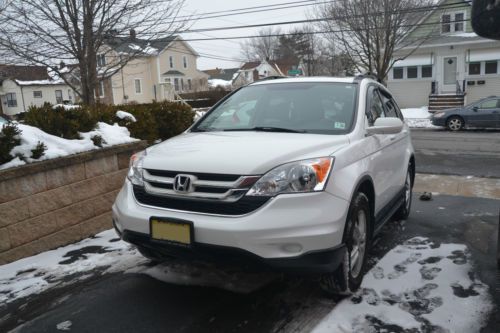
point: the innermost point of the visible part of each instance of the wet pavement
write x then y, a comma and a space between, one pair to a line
138, 303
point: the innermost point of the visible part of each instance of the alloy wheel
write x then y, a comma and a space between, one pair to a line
357, 253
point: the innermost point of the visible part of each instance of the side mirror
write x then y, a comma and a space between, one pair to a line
389, 125
475, 109
486, 18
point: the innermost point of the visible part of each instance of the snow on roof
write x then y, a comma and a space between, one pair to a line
40, 82
219, 82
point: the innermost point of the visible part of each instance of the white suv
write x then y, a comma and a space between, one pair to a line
292, 174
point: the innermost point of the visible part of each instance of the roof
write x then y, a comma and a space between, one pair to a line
24, 73
460, 38
221, 73
173, 72
281, 65
137, 45
250, 65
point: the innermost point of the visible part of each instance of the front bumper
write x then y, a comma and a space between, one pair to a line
438, 121
292, 228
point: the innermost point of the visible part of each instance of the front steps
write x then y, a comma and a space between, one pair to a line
443, 102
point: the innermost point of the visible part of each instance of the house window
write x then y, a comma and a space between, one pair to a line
190, 85
100, 89
70, 94
412, 72
138, 86
171, 61
167, 80
491, 67
101, 60
11, 100
37, 94
445, 23
457, 25
427, 71
459, 21
176, 84
185, 62
182, 84
59, 96
397, 73
474, 68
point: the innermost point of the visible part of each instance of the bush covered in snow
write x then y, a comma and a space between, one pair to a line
149, 122
9, 138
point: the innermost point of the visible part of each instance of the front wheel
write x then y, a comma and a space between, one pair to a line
349, 275
455, 124
404, 211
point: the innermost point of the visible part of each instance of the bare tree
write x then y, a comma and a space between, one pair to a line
47, 32
369, 32
263, 47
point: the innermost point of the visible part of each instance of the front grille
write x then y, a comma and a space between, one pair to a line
221, 187
243, 206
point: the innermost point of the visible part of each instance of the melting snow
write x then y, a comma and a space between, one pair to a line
64, 326
418, 117
126, 115
417, 287
219, 82
58, 147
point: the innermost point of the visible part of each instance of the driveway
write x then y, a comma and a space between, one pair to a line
157, 299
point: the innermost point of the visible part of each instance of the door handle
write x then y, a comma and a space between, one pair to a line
392, 137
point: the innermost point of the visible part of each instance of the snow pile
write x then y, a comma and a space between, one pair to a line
218, 82
58, 147
126, 115
417, 287
40, 82
51, 269
418, 117
66, 106
198, 115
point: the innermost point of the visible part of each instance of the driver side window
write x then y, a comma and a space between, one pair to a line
376, 106
491, 104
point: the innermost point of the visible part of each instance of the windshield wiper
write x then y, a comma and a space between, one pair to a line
266, 129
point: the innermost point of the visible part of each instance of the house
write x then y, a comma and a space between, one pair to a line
159, 69
221, 77
445, 64
257, 70
24, 86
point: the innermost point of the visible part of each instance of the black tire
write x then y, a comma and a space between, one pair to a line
347, 279
455, 123
404, 211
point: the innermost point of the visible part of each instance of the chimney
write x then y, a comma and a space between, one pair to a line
132, 34
62, 65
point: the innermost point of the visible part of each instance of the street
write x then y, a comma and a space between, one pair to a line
137, 302
465, 153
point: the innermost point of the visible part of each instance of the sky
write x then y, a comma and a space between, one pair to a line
231, 49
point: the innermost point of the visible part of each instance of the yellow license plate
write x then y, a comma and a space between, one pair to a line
172, 231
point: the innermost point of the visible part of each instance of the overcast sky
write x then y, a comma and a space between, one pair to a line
231, 48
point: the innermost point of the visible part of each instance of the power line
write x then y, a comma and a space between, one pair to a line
413, 10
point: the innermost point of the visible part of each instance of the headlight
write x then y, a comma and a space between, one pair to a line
296, 177
438, 115
135, 170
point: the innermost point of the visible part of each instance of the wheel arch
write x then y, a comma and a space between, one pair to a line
365, 185
455, 116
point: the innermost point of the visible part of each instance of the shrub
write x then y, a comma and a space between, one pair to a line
38, 151
8, 140
172, 118
203, 99
59, 121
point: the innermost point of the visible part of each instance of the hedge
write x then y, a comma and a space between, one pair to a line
155, 121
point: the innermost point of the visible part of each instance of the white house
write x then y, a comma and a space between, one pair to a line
24, 86
452, 65
257, 70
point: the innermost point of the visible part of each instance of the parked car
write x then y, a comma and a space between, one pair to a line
482, 114
301, 183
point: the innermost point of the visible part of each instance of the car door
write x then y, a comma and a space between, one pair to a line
484, 114
384, 164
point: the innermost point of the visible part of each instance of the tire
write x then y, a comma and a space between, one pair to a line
348, 276
455, 123
404, 211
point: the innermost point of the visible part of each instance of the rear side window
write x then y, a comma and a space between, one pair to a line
391, 107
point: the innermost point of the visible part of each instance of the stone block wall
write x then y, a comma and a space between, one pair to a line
49, 204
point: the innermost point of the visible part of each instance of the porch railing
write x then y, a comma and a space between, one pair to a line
434, 87
460, 87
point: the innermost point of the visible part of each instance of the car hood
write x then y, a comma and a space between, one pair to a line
242, 153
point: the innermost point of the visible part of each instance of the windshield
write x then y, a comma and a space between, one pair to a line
306, 107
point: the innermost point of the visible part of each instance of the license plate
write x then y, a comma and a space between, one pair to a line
170, 230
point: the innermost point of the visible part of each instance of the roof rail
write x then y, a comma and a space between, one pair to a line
365, 76
273, 77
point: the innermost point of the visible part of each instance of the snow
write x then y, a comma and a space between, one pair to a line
219, 82
40, 82
64, 326
126, 115
466, 34
415, 286
147, 50
58, 147
66, 106
198, 115
418, 117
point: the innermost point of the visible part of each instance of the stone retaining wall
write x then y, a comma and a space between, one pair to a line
52, 203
